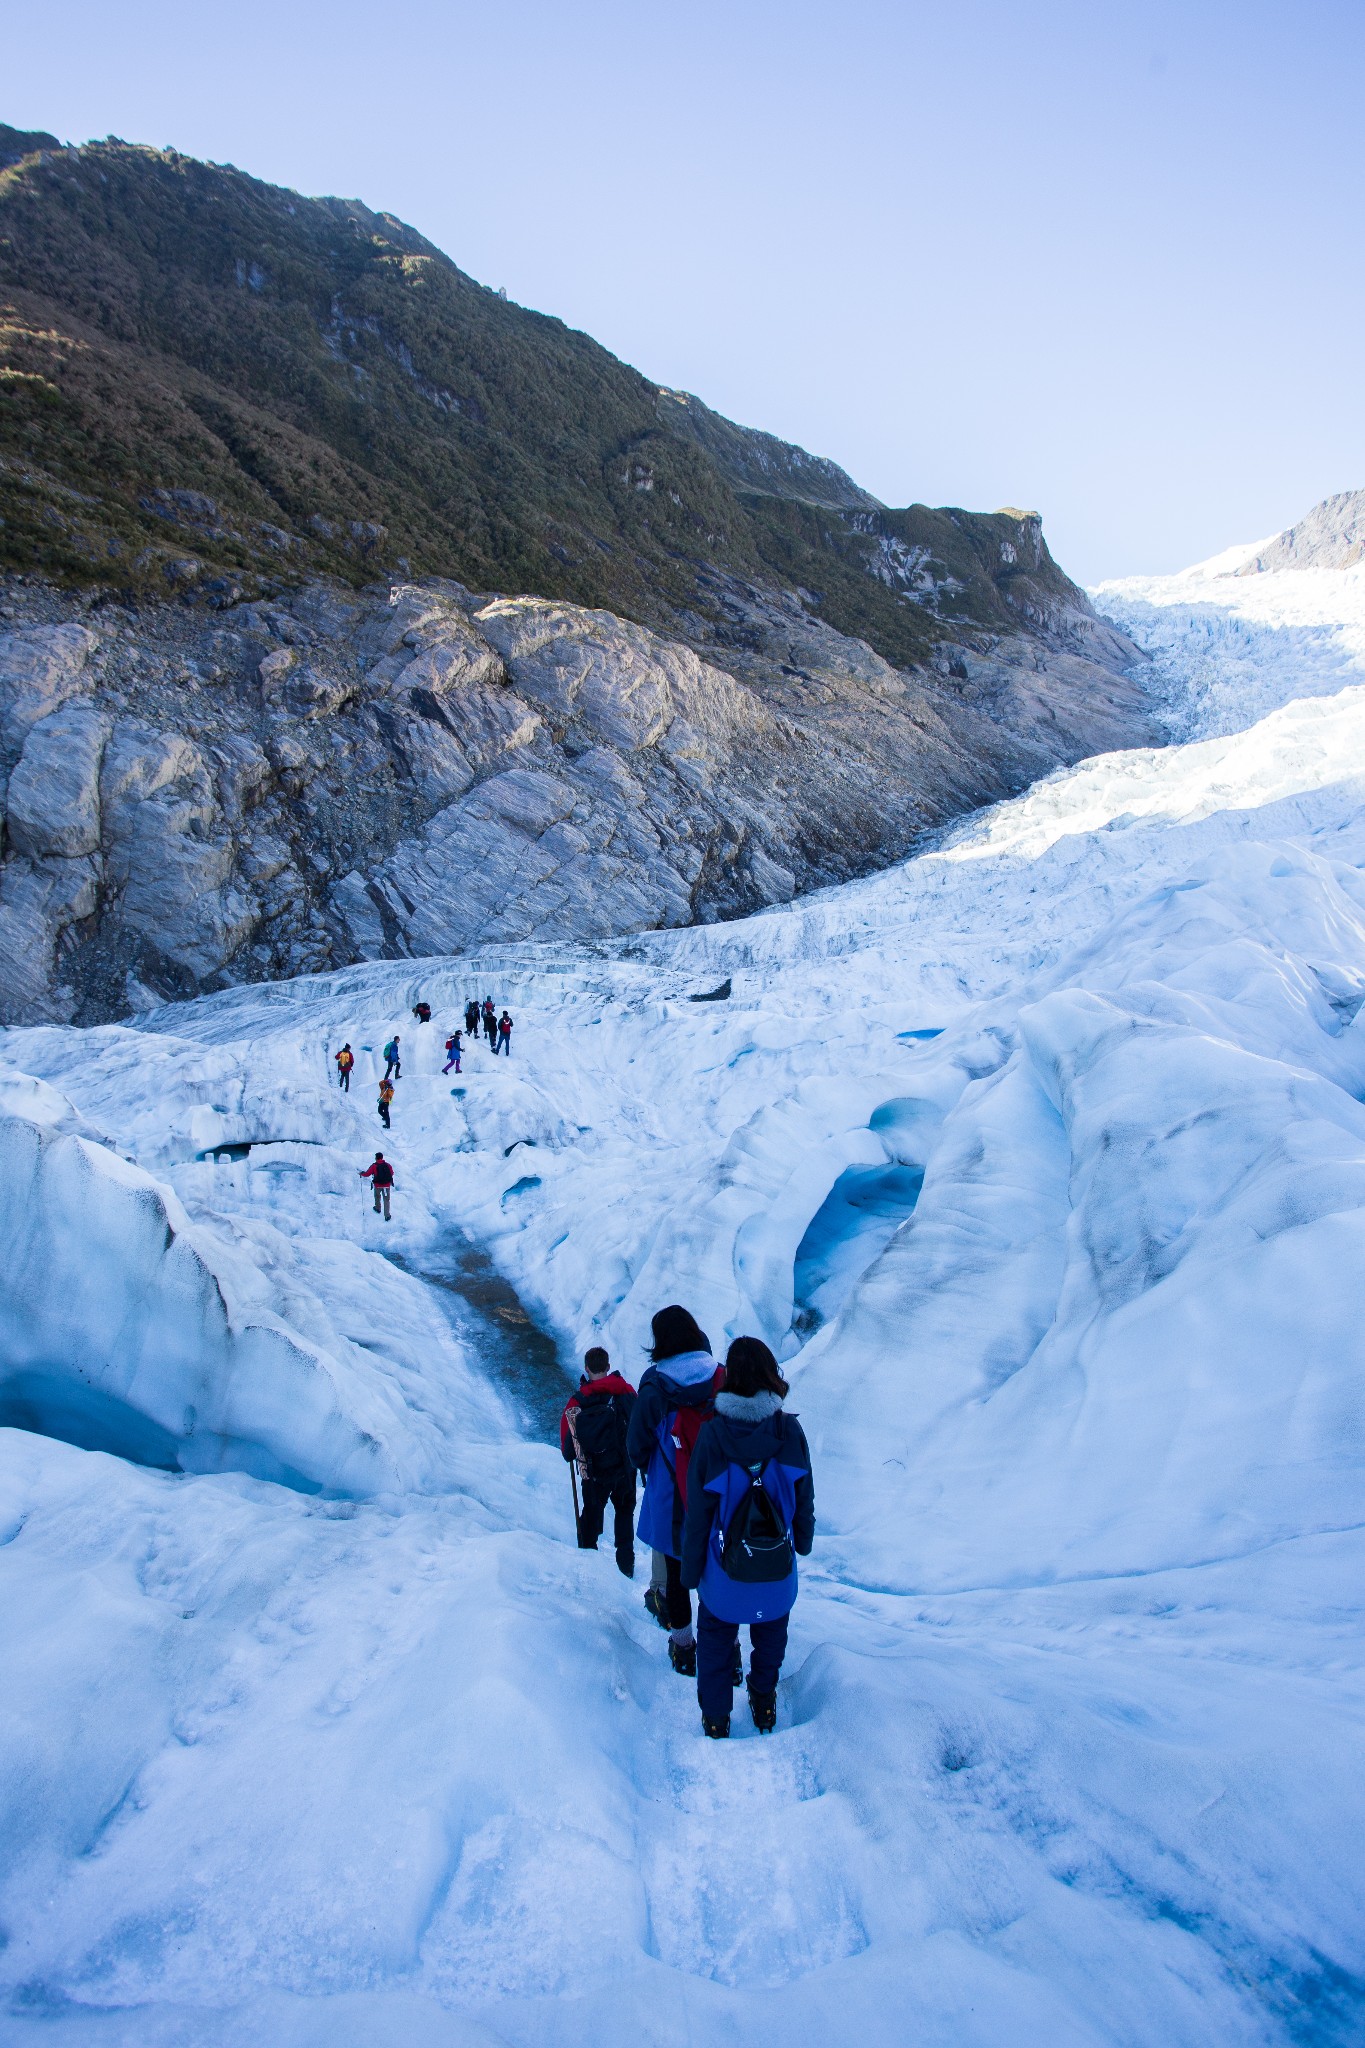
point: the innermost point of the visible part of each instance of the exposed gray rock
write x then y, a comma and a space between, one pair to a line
52, 808
1331, 536
41, 666
197, 798
41, 903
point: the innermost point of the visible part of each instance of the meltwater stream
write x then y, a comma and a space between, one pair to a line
520, 1357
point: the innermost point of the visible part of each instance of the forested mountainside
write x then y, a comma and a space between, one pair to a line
354, 611
209, 379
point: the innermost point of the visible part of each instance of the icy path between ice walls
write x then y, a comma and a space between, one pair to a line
1042, 1160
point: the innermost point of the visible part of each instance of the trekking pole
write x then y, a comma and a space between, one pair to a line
574, 1463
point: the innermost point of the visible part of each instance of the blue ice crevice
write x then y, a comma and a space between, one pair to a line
862, 1212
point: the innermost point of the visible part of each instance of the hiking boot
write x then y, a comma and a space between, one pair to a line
683, 1658
763, 1707
626, 1567
654, 1602
738, 1673
717, 1730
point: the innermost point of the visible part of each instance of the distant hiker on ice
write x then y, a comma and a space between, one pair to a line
422, 1012
471, 1018
385, 1101
490, 1022
592, 1436
750, 1514
452, 1053
393, 1068
675, 1398
381, 1177
504, 1043
345, 1060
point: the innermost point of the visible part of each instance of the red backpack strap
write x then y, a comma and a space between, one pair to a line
684, 1426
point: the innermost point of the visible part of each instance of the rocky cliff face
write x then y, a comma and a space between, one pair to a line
1331, 536
195, 796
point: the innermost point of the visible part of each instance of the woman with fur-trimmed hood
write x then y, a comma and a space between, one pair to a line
750, 1515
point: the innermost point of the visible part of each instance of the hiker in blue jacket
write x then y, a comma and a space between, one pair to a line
676, 1392
750, 1514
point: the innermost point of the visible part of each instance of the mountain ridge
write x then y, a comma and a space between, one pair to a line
214, 382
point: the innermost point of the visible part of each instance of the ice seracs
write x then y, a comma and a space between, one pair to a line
1255, 626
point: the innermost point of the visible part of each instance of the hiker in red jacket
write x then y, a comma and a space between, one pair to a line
381, 1175
592, 1435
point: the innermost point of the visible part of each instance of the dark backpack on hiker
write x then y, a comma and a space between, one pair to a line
758, 1548
598, 1429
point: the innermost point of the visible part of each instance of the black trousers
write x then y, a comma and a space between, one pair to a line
677, 1599
621, 1494
345, 1080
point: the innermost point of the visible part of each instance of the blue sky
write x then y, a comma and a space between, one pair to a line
1104, 260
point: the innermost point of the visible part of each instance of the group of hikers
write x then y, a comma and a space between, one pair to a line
498, 1030
729, 1502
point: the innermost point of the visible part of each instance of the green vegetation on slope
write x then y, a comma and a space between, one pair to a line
208, 381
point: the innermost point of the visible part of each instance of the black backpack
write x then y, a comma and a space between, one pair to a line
758, 1546
599, 1430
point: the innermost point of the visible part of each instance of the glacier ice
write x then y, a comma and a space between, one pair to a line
1042, 1160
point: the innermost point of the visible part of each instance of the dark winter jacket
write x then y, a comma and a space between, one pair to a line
744, 1431
654, 1450
599, 1416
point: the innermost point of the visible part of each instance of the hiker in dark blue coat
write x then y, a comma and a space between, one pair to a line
750, 1515
676, 1392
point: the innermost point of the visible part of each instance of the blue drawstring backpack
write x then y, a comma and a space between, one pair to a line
750, 1569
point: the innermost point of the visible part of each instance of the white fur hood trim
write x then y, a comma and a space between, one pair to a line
748, 1407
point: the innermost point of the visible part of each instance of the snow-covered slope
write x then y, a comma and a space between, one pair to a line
1042, 1161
